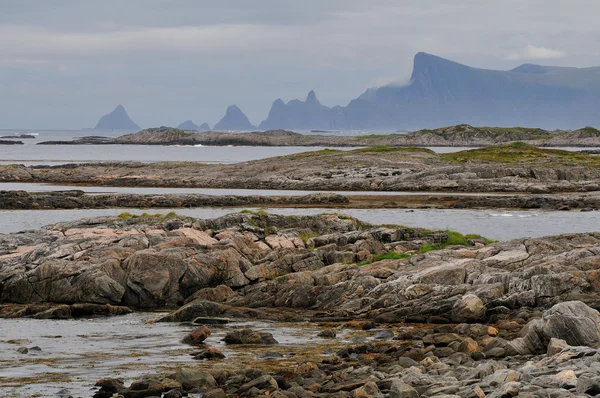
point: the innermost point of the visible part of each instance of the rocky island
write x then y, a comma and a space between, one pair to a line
400, 312
516, 167
462, 135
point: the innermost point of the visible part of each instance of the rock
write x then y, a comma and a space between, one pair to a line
469, 308
215, 393
502, 376
265, 382
399, 389
197, 336
327, 333
555, 346
143, 388
249, 336
193, 378
590, 386
210, 354
369, 390
22, 350
572, 321
384, 334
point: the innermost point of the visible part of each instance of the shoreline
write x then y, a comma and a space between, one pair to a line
55, 200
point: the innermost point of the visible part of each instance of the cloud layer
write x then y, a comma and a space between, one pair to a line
65, 62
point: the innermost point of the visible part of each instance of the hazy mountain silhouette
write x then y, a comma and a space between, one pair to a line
442, 92
116, 120
189, 125
234, 120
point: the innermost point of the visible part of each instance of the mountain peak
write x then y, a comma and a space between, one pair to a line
234, 120
118, 119
312, 97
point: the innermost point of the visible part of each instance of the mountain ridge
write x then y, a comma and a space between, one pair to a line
445, 92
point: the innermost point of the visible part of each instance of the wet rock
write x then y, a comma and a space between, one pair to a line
108, 387
327, 333
270, 355
209, 354
174, 393
384, 334
249, 336
143, 388
197, 336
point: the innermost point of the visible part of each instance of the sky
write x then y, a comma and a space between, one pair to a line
65, 63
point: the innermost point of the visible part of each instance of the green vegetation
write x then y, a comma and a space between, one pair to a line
306, 235
454, 239
127, 216
589, 131
522, 153
254, 213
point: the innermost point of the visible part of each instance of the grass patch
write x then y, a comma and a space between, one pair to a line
254, 213
454, 239
391, 255
522, 153
305, 236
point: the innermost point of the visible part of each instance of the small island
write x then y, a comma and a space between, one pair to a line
462, 135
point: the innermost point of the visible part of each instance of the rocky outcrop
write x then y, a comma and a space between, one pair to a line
462, 135
20, 200
118, 119
10, 142
285, 267
512, 168
234, 120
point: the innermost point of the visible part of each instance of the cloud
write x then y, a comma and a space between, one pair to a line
534, 52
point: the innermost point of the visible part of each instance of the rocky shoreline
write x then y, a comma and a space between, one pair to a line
77, 199
511, 168
443, 315
452, 136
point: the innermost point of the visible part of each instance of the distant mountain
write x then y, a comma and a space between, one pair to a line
117, 120
234, 120
299, 115
442, 92
189, 125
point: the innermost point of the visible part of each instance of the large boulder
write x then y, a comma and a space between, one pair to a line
571, 321
249, 336
469, 308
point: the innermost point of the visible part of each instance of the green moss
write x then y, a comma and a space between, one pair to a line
305, 236
254, 213
522, 153
391, 255
125, 216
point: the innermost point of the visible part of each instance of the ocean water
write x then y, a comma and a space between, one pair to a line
32, 154
497, 225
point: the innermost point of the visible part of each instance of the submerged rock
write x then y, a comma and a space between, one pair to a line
197, 336
249, 336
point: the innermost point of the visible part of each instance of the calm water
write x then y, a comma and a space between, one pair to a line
498, 225
31, 154
34, 187
77, 353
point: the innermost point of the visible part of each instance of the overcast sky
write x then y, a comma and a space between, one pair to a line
65, 63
